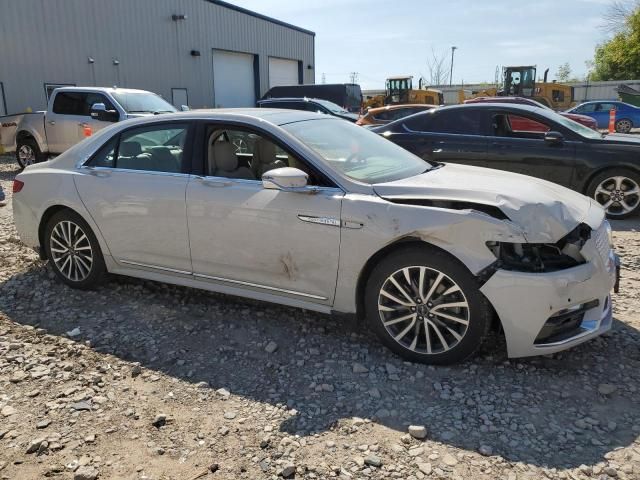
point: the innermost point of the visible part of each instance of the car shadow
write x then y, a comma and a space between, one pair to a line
10, 168
525, 410
631, 224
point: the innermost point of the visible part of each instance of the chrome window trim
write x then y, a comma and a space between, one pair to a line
247, 181
131, 170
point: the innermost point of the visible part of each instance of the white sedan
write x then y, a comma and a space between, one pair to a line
305, 210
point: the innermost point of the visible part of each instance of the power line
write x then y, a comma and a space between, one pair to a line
354, 77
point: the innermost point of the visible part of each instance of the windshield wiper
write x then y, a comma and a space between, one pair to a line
140, 111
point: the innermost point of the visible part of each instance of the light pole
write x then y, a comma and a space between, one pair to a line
453, 49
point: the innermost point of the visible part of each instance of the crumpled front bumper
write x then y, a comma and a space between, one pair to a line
525, 302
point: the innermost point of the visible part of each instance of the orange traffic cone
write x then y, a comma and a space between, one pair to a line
612, 120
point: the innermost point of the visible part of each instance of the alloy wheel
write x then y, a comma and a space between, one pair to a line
618, 195
623, 126
423, 310
71, 251
26, 155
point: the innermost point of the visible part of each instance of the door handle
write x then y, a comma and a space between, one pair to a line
99, 173
215, 183
83, 124
52, 122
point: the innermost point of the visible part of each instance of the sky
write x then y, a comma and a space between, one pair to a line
381, 38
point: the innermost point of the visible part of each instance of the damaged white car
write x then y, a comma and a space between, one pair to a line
309, 211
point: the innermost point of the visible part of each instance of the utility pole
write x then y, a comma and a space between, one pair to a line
453, 49
324, 78
354, 77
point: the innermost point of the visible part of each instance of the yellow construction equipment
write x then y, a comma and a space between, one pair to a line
399, 91
521, 82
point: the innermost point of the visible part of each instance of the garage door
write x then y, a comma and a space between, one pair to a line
282, 72
233, 79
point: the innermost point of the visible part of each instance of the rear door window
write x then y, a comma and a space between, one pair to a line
159, 148
588, 108
70, 103
460, 122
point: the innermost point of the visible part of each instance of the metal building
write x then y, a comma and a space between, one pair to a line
201, 53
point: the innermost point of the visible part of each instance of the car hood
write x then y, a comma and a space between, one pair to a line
578, 117
352, 117
543, 211
622, 138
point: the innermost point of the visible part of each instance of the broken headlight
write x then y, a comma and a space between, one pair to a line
542, 257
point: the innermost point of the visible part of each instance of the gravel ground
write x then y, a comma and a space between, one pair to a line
142, 380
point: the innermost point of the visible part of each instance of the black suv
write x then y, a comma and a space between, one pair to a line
309, 105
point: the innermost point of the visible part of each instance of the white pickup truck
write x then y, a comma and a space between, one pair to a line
73, 114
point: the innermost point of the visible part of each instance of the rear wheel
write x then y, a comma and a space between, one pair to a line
618, 191
73, 251
27, 152
426, 306
624, 125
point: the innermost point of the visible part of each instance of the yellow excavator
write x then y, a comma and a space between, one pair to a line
399, 91
521, 82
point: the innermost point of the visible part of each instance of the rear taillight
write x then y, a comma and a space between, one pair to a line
17, 186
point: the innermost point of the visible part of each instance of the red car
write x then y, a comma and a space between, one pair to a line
524, 125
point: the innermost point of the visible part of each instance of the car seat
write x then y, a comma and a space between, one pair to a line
264, 158
224, 162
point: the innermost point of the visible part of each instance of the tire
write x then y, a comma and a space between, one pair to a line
84, 268
618, 191
410, 340
28, 152
624, 125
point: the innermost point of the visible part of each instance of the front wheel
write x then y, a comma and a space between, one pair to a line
28, 152
618, 191
426, 306
73, 251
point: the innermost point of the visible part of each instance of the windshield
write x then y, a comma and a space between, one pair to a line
356, 152
332, 107
576, 127
143, 103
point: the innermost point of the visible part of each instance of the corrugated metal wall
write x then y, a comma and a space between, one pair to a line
50, 41
600, 90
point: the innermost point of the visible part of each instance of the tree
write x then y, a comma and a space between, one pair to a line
615, 17
438, 69
619, 58
564, 72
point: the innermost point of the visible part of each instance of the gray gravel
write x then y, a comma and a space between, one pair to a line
142, 380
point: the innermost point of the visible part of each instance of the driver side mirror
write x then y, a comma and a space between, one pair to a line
99, 112
287, 179
553, 138
184, 108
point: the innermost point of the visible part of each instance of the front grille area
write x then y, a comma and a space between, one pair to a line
564, 324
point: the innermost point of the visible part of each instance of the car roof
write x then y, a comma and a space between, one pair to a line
289, 99
493, 105
102, 89
276, 116
406, 105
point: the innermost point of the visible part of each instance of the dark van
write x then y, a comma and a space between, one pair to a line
347, 95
